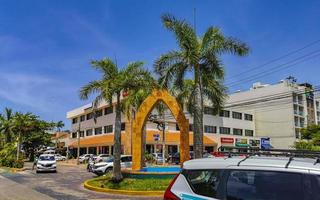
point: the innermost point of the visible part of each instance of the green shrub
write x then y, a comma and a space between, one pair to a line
149, 158
8, 157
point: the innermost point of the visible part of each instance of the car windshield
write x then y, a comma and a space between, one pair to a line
159, 154
44, 158
108, 159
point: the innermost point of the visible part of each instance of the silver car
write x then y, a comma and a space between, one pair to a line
46, 163
247, 178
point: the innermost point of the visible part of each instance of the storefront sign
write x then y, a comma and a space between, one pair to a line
156, 137
265, 143
227, 140
240, 142
254, 143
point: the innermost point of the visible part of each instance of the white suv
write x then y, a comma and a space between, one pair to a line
247, 178
107, 164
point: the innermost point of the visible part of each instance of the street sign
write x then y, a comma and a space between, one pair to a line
156, 137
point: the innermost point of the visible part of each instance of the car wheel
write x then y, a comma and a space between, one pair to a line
108, 170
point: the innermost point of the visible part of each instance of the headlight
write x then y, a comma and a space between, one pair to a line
38, 165
54, 165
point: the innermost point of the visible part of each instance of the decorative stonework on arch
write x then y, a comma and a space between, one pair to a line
142, 116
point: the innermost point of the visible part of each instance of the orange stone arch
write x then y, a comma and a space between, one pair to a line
140, 120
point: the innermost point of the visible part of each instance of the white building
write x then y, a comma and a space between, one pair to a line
280, 110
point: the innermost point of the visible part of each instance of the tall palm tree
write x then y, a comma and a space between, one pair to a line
23, 124
200, 56
113, 82
6, 125
59, 125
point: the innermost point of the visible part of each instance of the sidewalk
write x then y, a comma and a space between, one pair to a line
10, 190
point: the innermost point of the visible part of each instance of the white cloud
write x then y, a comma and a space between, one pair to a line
35, 91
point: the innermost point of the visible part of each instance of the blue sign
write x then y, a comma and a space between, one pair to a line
265, 143
156, 137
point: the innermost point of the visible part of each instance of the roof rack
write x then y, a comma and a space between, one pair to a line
249, 151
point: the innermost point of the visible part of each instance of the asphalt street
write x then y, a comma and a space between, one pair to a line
66, 184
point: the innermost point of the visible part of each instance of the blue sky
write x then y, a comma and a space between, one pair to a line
46, 46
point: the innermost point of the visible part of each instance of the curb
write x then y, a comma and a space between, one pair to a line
123, 192
15, 170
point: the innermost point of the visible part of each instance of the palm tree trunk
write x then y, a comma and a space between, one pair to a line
117, 176
18, 146
197, 117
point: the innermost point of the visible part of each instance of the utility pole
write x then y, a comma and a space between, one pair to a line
78, 150
163, 139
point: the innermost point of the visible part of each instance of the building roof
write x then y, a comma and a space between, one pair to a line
171, 137
60, 135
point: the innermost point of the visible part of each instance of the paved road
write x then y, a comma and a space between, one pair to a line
64, 185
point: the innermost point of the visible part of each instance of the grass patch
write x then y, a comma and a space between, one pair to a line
150, 184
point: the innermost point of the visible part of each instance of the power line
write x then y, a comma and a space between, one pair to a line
276, 59
274, 69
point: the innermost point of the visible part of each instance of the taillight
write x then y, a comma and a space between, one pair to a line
168, 195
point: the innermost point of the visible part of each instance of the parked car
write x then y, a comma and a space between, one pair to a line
106, 165
255, 177
84, 158
46, 163
158, 157
59, 157
175, 158
100, 157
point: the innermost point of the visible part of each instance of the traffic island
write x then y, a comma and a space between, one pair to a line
129, 186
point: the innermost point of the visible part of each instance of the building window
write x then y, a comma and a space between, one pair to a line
108, 129
237, 131
208, 111
89, 132
236, 115
81, 133
74, 135
190, 127
248, 117
98, 131
297, 133
98, 113
108, 110
82, 118
248, 133
123, 126
89, 116
210, 129
74, 120
224, 113
224, 130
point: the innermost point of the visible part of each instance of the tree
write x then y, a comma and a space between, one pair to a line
114, 81
59, 125
6, 125
310, 136
200, 55
37, 137
22, 124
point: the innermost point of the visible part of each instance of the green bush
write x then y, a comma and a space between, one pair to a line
149, 158
8, 157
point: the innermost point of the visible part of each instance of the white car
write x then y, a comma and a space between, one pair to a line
59, 157
46, 163
100, 157
107, 164
85, 157
247, 177
158, 157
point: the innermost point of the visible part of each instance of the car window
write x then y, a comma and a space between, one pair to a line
126, 159
264, 185
204, 182
46, 158
315, 183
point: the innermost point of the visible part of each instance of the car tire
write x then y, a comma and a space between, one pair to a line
108, 170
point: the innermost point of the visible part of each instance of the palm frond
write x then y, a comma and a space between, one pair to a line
90, 88
185, 35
